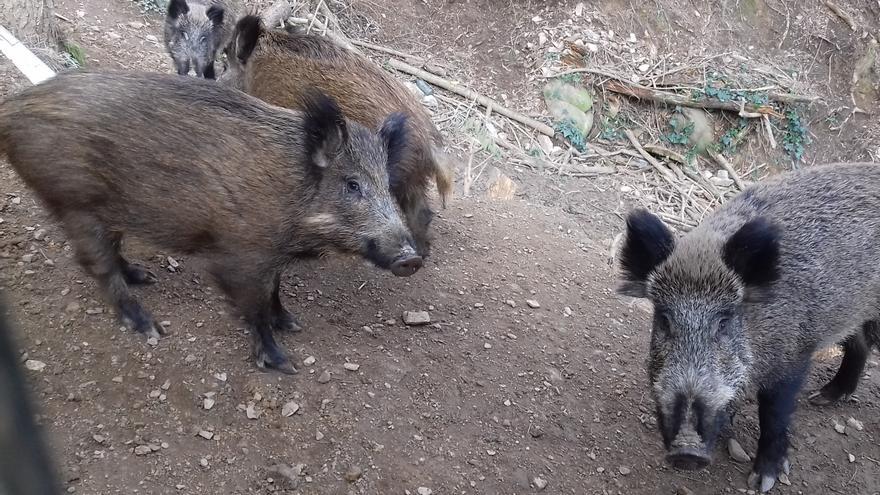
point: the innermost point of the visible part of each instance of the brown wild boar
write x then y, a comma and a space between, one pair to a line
195, 30
247, 185
276, 65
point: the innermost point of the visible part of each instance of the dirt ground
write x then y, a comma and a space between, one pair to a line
495, 396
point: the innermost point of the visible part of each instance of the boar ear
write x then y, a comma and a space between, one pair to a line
648, 243
177, 8
326, 132
215, 13
393, 132
753, 252
244, 39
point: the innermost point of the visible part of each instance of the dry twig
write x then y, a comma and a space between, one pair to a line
719, 158
471, 95
839, 12
645, 93
647, 156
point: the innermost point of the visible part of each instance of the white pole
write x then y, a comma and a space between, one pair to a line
32, 67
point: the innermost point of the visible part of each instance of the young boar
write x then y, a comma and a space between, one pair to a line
743, 301
195, 30
247, 185
275, 65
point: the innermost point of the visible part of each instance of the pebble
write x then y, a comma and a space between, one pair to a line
34, 365
487, 345
416, 317
252, 412
142, 450
208, 404
220, 376
783, 478
533, 303
839, 428
683, 490
116, 379
511, 303
353, 474
540, 483
28, 258
319, 436
203, 462
207, 435
478, 305
856, 424
152, 38
40, 235
94, 311
624, 470
351, 366
136, 25
289, 409
309, 360
423, 490
737, 453
152, 341
851, 458
324, 377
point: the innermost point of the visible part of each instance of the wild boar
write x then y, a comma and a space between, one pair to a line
195, 30
743, 301
197, 168
275, 65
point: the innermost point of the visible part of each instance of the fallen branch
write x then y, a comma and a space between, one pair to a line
645, 93
333, 35
839, 12
719, 158
389, 51
470, 95
664, 172
277, 13
695, 177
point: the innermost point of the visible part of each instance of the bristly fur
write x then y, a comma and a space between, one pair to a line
788, 266
195, 30
275, 65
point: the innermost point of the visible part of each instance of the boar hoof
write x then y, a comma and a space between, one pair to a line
765, 482
136, 275
286, 322
267, 360
136, 318
828, 397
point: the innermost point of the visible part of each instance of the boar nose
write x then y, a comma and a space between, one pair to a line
406, 266
688, 459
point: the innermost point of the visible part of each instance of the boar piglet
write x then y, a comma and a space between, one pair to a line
276, 65
193, 167
741, 303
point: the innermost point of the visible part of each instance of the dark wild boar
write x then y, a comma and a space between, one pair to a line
195, 30
742, 302
276, 65
247, 185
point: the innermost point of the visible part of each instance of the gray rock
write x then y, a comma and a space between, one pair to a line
416, 318
737, 453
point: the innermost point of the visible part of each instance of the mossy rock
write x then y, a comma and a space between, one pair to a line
578, 97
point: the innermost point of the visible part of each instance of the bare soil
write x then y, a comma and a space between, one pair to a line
492, 395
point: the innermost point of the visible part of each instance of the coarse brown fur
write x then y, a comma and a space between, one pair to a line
195, 30
789, 266
226, 176
275, 65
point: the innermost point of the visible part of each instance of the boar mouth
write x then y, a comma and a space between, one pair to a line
689, 458
405, 263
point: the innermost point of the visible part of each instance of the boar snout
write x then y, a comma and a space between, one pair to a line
403, 261
407, 263
688, 459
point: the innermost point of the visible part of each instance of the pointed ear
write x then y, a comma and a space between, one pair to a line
753, 252
245, 36
394, 133
326, 132
648, 243
216, 13
177, 8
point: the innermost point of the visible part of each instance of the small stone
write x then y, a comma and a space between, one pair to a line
567, 311
99, 438
203, 462
207, 435
190, 358
644, 68
491, 452
324, 377
533, 303
737, 453
34, 365
416, 318
851, 457
220, 376
683, 490
152, 341
319, 436
289, 409
624, 470
783, 478
540, 483
487, 345
142, 450
16, 200
40, 234
94, 311
309, 360
478, 305
351, 366
154, 394
422, 490
136, 25
252, 412
510, 302
151, 38
166, 385
28, 258
353, 474
208, 404
839, 428
855, 424
116, 379
718, 181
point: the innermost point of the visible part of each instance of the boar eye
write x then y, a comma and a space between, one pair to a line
662, 324
723, 326
353, 186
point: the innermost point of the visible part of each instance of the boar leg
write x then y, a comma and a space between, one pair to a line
134, 274
282, 319
776, 404
182, 67
844, 383
252, 295
97, 252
